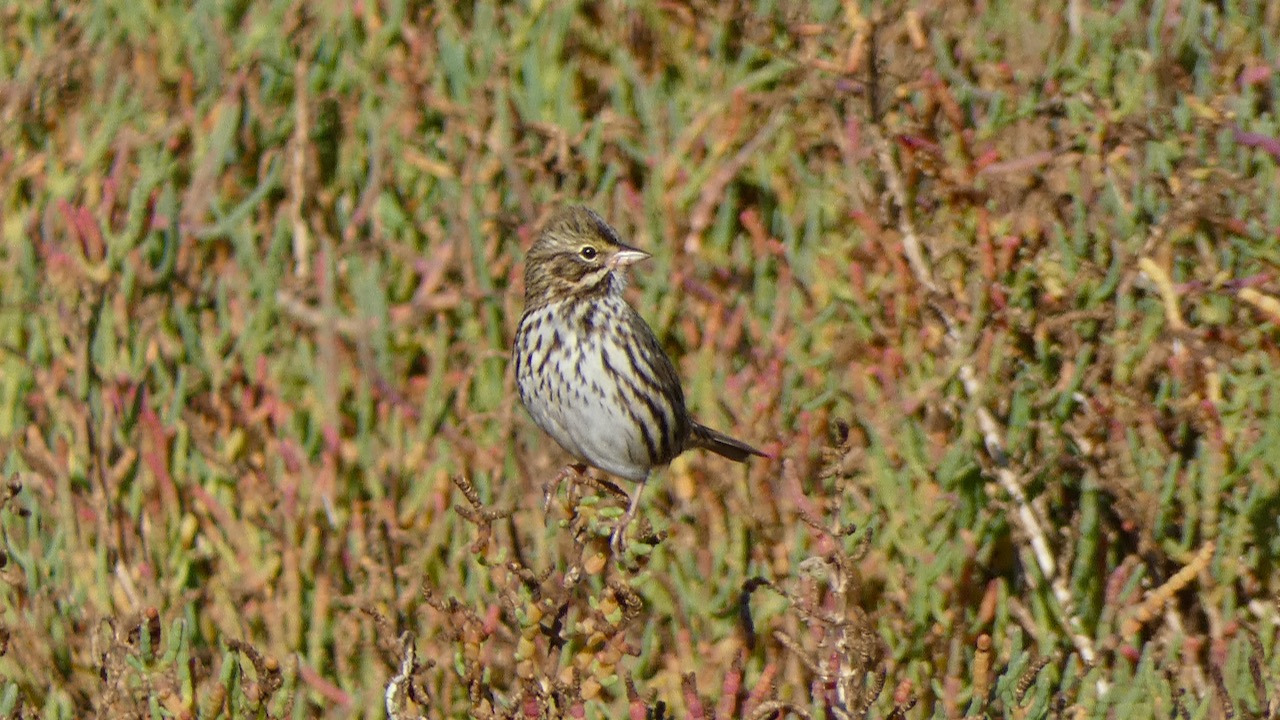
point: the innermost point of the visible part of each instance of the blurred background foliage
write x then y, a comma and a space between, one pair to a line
995, 283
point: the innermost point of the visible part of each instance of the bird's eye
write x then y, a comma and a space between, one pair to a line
587, 252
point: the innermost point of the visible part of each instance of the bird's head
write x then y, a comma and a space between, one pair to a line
576, 254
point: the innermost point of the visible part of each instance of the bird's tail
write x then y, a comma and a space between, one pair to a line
722, 445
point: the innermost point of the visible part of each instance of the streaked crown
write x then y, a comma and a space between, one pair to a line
578, 255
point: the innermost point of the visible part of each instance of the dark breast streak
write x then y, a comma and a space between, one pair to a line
648, 381
633, 378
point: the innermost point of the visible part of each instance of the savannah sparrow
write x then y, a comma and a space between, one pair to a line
590, 371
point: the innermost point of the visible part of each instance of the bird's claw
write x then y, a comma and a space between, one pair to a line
572, 473
549, 492
618, 539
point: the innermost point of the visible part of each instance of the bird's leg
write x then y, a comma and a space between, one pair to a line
572, 472
617, 541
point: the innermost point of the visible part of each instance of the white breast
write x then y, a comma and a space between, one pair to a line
571, 396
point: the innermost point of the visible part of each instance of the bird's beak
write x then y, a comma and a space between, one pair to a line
625, 258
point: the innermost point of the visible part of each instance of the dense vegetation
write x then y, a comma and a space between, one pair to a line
997, 284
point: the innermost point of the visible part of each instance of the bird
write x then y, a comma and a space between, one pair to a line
590, 370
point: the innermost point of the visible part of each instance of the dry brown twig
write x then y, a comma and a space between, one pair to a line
849, 657
1156, 599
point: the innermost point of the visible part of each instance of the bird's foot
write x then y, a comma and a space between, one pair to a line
618, 538
574, 472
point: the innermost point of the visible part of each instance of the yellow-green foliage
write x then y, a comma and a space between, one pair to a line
996, 283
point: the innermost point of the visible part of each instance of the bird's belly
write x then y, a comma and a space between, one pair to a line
571, 397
